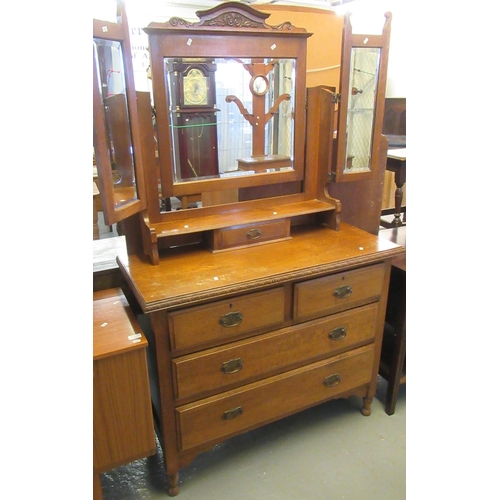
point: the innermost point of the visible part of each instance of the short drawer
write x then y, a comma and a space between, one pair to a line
256, 357
249, 234
227, 318
332, 293
234, 411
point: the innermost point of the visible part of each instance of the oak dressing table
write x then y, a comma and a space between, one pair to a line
258, 303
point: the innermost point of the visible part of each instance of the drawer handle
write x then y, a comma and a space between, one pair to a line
232, 366
338, 333
231, 319
253, 234
342, 292
332, 380
233, 413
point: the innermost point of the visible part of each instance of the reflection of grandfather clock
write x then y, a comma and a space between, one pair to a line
192, 84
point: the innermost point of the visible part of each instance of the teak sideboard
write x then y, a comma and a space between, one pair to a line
247, 337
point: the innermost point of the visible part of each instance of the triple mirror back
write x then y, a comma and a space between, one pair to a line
224, 130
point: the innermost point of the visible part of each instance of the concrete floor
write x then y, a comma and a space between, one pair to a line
330, 452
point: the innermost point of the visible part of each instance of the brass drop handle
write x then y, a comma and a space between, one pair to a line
342, 292
338, 333
332, 380
232, 366
253, 234
233, 413
231, 319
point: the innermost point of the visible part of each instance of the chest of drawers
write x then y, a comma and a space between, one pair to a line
244, 338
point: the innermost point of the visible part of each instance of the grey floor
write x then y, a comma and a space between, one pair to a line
330, 452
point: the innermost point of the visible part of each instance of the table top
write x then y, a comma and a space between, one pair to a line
201, 275
397, 154
396, 235
116, 329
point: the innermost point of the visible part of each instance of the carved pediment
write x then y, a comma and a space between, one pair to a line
226, 16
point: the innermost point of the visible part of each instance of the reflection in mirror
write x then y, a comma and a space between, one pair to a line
230, 117
111, 82
361, 108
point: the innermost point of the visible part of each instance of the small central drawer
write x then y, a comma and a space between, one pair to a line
240, 361
226, 318
336, 292
249, 234
228, 413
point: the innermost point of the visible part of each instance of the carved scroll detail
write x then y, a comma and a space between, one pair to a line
178, 21
283, 26
233, 20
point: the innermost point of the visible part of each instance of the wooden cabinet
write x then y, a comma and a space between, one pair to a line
123, 417
262, 305
248, 337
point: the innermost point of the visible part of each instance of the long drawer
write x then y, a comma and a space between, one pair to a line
246, 359
226, 318
326, 295
220, 416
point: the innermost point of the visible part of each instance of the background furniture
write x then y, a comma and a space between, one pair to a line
95, 207
396, 162
123, 418
393, 357
105, 269
394, 129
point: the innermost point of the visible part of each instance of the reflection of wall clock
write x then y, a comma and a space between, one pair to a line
195, 88
259, 85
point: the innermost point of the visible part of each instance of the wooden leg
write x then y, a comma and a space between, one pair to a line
97, 486
396, 316
400, 180
397, 212
173, 484
396, 374
367, 407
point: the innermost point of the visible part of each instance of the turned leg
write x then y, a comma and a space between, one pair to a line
367, 407
400, 180
397, 212
173, 484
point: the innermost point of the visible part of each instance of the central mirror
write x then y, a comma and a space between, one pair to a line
230, 117
229, 108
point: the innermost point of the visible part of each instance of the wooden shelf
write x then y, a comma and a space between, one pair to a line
253, 214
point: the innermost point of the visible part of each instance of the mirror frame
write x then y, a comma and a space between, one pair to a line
250, 37
350, 41
118, 32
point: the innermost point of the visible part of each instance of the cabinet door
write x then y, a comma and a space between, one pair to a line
361, 109
116, 134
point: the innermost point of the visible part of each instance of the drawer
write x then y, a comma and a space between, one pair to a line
226, 318
332, 293
249, 234
240, 361
231, 412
